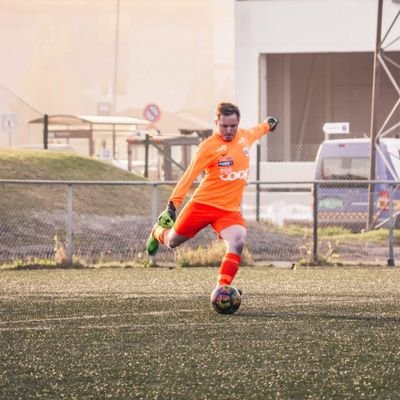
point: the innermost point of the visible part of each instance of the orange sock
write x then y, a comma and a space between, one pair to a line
228, 268
159, 233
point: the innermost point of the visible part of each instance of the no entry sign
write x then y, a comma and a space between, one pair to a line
152, 112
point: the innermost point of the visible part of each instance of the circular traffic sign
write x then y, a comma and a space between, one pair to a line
152, 112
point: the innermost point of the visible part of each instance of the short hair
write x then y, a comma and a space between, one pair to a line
226, 109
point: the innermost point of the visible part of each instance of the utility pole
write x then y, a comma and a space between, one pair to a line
116, 55
374, 106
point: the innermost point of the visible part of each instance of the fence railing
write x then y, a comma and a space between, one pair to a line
108, 221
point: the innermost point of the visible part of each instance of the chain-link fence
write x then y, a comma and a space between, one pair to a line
100, 222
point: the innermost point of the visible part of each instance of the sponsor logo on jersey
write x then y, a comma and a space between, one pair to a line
235, 175
227, 162
246, 151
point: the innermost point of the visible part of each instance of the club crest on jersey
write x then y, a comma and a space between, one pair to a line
246, 151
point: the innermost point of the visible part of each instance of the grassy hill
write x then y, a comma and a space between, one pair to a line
45, 164
50, 165
109, 221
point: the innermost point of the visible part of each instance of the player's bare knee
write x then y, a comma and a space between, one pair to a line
239, 245
236, 245
240, 240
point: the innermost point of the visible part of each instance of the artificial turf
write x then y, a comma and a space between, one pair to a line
136, 333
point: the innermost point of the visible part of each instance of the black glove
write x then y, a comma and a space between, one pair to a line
167, 218
272, 122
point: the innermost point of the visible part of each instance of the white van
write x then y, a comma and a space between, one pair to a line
349, 160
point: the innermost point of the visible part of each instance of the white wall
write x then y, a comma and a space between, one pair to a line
283, 171
300, 26
281, 206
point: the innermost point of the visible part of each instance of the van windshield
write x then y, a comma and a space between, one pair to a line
346, 168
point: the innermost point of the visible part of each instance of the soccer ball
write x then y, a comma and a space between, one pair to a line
226, 299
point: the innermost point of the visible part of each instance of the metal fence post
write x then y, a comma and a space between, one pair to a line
154, 202
69, 244
258, 183
315, 223
154, 211
46, 131
390, 261
146, 156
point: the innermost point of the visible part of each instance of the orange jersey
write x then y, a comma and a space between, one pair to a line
226, 166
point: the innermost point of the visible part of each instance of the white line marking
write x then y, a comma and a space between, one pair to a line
87, 317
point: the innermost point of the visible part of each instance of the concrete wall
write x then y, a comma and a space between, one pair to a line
278, 206
283, 171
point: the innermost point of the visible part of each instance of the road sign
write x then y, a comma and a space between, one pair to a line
152, 112
336, 127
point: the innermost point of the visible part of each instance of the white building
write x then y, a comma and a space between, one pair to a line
310, 62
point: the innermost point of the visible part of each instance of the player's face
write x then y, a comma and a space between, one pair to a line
228, 126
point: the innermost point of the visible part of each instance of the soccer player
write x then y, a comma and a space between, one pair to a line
224, 159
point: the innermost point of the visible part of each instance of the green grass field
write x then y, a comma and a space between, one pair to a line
137, 333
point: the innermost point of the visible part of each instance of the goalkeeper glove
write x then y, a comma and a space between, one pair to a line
272, 122
167, 218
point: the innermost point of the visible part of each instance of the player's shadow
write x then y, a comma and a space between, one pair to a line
301, 315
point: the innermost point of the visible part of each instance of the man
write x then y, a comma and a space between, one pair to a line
224, 159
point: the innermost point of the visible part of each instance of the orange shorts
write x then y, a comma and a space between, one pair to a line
196, 216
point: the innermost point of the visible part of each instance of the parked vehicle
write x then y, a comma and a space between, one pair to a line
349, 160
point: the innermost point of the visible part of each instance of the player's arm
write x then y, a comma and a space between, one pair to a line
198, 164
